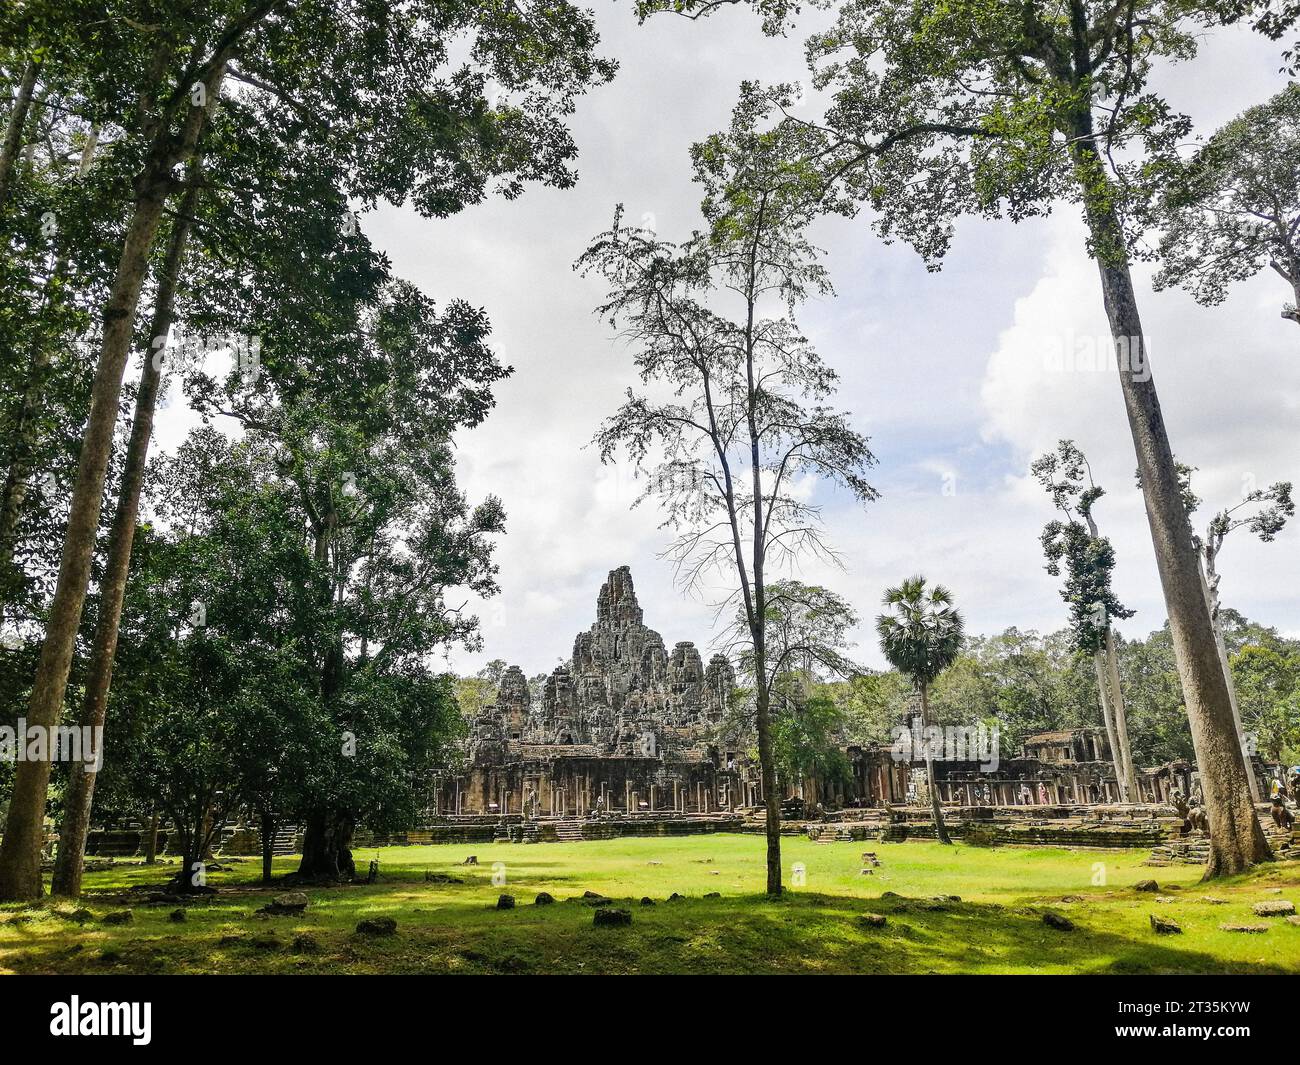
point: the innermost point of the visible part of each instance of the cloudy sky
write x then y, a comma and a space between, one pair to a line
946, 373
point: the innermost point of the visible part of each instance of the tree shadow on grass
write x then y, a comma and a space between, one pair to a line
456, 928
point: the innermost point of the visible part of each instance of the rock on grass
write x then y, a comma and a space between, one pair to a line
1165, 926
1254, 928
544, 898
1146, 885
118, 917
608, 917
290, 904
1276, 908
1058, 921
377, 926
506, 902
304, 944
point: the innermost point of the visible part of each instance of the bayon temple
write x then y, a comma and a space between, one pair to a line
628, 726
630, 738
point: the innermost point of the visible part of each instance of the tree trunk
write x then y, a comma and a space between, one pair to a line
1108, 718
327, 847
1236, 839
20, 850
112, 589
268, 845
14, 130
190, 849
1120, 712
151, 839
1212, 603
936, 808
771, 792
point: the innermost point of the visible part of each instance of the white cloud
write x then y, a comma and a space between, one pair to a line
945, 372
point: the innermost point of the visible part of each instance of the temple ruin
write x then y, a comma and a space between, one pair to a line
629, 738
626, 726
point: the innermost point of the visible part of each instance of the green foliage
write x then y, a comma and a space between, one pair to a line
943, 108
870, 705
474, 695
807, 732
1089, 557
1236, 205
921, 633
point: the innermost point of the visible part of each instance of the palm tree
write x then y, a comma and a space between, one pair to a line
921, 636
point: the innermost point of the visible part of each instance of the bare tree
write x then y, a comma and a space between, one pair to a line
733, 427
1264, 512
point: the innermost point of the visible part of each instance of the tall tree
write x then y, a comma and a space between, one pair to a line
75, 826
745, 415
358, 83
1236, 208
945, 107
17, 123
921, 636
387, 533
1089, 560
173, 126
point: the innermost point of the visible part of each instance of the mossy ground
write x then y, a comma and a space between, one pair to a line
997, 926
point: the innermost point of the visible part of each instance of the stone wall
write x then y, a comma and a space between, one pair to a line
626, 726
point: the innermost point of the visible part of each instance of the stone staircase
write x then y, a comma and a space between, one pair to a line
568, 831
286, 840
1190, 851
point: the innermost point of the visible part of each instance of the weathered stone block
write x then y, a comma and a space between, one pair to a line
290, 904
377, 926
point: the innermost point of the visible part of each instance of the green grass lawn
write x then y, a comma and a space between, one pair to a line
997, 926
